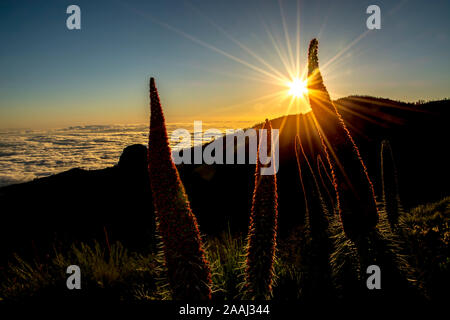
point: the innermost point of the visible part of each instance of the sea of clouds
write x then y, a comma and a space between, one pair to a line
29, 154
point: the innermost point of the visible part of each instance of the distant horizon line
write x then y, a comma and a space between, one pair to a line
210, 120
122, 124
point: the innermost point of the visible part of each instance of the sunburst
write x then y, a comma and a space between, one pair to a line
297, 87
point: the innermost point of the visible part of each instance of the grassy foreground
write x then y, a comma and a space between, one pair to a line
113, 273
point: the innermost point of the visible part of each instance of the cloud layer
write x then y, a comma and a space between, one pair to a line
29, 154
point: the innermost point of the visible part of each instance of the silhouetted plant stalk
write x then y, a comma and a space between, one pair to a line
262, 234
316, 222
391, 223
391, 198
327, 184
314, 203
354, 191
188, 270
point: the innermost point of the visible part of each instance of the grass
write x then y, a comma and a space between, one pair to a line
226, 255
116, 274
109, 274
426, 230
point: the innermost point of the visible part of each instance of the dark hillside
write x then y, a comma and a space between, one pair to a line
115, 203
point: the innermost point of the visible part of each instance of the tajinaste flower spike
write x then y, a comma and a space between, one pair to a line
354, 190
327, 184
188, 270
391, 198
262, 235
316, 210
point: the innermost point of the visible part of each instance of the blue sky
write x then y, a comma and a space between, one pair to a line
52, 77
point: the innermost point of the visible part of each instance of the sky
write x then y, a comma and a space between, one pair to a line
212, 60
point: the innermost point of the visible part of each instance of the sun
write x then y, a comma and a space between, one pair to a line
297, 87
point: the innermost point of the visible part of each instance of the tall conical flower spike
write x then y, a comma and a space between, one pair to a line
327, 184
355, 195
389, 177
262, 234
188, 271
315, 207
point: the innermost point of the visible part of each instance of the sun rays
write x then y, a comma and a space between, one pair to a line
297, 87
277, 65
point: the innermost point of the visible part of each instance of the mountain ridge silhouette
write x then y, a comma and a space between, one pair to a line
115, 202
